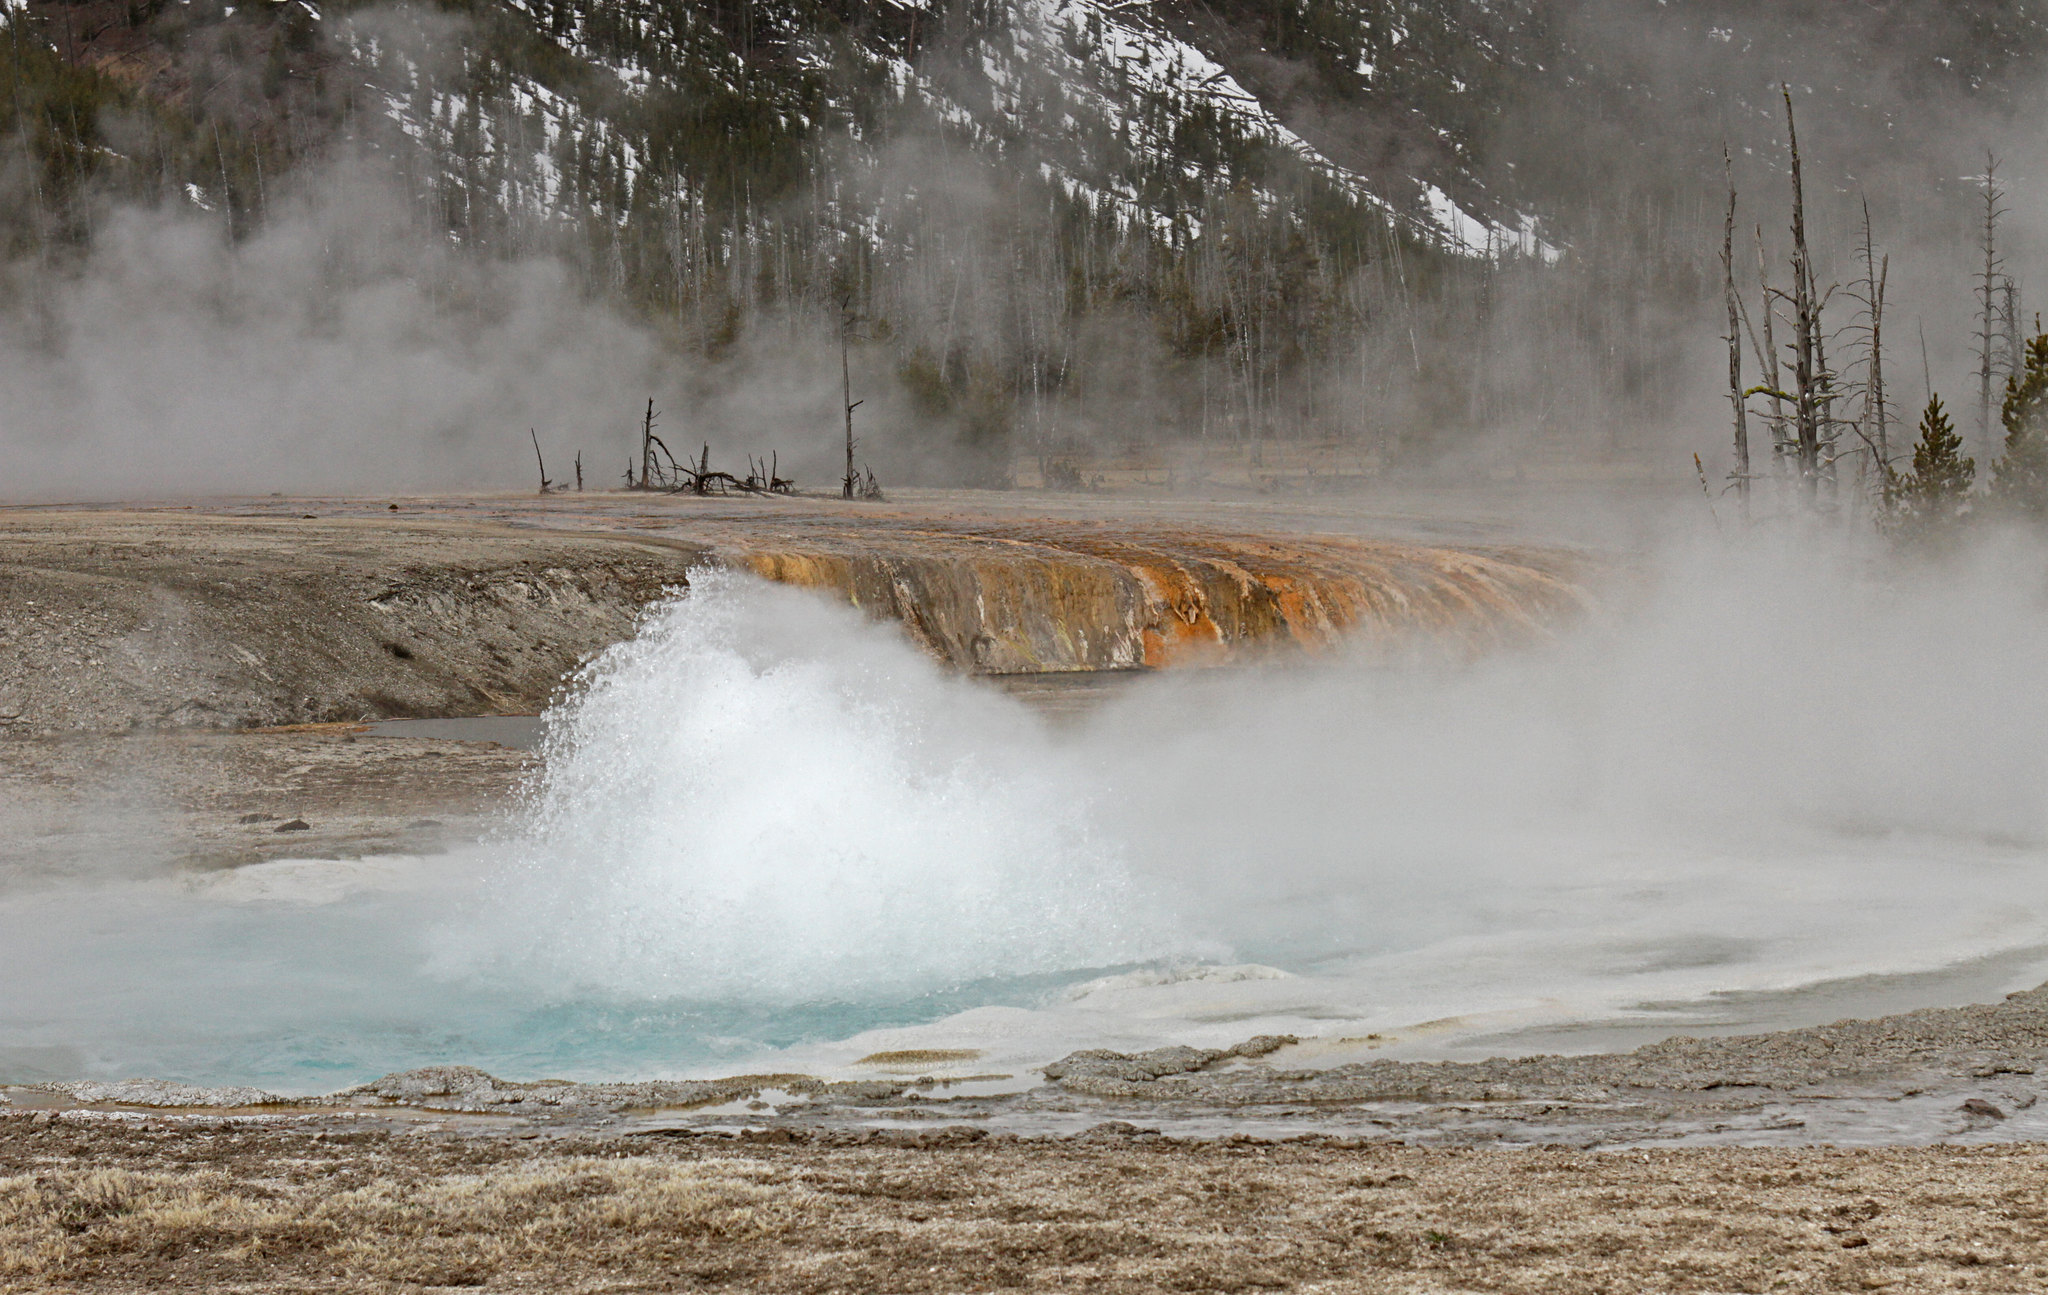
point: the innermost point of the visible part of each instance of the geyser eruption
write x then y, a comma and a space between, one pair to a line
762, 798
1778, 787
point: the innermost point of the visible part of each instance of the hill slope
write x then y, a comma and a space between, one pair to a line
1388, 221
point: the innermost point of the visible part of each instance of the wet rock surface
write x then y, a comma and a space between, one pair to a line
2002, 1041
1941, 1074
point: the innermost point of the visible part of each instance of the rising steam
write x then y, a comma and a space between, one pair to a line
1772, 770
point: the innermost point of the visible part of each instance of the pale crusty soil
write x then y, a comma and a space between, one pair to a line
149, 801
236, 1206
111, 622
265, 613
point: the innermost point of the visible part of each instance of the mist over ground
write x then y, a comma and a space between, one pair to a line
341, 347
420, 232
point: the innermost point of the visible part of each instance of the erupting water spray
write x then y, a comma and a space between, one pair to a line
725, 811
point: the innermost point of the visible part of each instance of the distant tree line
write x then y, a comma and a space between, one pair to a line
1075, 261
1821, 413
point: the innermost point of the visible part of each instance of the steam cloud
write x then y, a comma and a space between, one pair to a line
337, 349
1773, 767
346, 345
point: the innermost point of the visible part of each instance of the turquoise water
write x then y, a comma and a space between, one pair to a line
150, 981
761, 823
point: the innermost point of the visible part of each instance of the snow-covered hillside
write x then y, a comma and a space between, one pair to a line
1394, 222
1107, 100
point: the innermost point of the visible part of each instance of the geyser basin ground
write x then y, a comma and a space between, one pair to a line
284, 612
772, 834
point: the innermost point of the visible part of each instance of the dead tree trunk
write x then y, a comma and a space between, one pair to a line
1735, 395
1987, 293
1877, 416
846, 390
1770, 364
1827, 428
647, 448
544, 482
1806, 323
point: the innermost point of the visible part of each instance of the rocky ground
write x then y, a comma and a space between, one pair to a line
1540, 1174
111, 622
1963, 1073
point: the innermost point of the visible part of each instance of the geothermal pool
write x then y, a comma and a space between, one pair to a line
768, 835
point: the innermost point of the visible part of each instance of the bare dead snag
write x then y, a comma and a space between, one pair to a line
1735, 398
1827, 428
1877, 415
647, 444
1769, 362
544, 482
1987, 292
1701, 469
846, 397
1806, 374
849, 485
1926, 368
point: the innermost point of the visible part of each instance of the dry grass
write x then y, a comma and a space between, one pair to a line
216, 1206
457, 1229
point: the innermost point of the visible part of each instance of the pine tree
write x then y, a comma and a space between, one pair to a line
1937, 491
2020, 479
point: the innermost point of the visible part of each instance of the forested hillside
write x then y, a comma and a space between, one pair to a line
1394, 223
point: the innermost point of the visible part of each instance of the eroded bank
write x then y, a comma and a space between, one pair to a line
259, 616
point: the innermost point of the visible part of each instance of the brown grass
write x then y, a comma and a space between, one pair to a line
457, 1229
216, 1205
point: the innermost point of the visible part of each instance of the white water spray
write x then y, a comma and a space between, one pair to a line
762, 798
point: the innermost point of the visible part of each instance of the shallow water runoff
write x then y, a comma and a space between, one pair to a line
767, 835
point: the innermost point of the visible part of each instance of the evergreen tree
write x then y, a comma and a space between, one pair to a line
1938, 488
2020, 479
